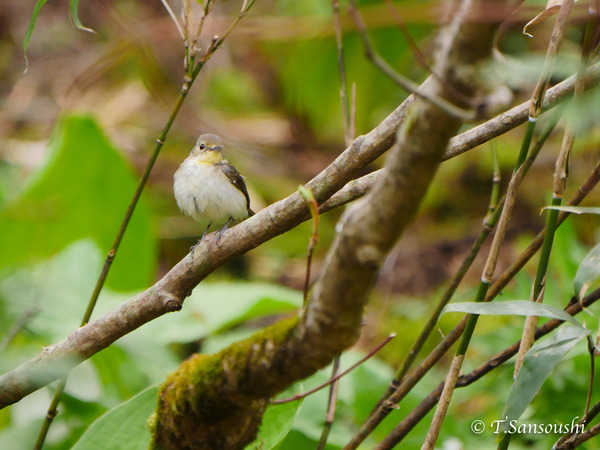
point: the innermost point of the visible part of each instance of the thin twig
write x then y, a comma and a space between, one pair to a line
18, 326
560, 179
566, 441
167, 294
399, 79
337, 377
421, 410
489, 223
188, 81
486, 278
399, 391
420, 57
335, 6
331, 403
490, 266
310, 200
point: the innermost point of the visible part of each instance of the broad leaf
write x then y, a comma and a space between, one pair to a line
123, 427
81, 192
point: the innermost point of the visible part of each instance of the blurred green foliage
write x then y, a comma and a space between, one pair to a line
82, 191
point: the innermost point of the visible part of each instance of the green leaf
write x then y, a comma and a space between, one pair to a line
238, 302
277, 421
74, 16
30, 28
123, 427
511, 308
537, 366
55, 290
575, 209
82, 191
216, 307
588, 272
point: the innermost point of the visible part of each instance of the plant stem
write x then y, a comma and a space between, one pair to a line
387, 405
188, 81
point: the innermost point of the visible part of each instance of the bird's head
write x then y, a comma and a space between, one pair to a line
208, 147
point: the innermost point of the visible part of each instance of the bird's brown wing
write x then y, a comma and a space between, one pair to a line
238, 181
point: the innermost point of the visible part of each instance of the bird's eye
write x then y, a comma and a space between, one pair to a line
202, 146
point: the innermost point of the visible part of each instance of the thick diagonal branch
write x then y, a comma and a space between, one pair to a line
201, 401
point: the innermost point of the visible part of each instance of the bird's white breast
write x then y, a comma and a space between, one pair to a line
204, 192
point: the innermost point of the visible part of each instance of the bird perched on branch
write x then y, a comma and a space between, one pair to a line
209, 189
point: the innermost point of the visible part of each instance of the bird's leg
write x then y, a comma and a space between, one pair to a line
222, 230
193, 247
205, 231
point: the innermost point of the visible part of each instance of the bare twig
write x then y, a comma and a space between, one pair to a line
18, 326
335, 6
189, 78
338, 376
399, 79
331, 403
419, 412
314, 237
168, 293
490, 266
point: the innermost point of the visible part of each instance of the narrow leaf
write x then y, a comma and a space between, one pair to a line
552, 8
512, 308
74, 16
576, 209
539, 363
588, 272
30, 28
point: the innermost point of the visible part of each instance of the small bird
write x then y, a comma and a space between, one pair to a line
209, 189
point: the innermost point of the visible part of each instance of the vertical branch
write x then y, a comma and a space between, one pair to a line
560, 177
490, 266
388, 402
189, 78
335, 5
313, 205
489, 222
331, 402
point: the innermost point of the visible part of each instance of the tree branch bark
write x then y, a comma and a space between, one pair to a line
200, 402
167, 294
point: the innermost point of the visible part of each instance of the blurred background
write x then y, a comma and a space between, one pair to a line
78, 127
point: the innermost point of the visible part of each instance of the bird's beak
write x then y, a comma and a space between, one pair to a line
217, 148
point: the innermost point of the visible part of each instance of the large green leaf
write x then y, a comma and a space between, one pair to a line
216, 307
82, 191
537, 366
588, 272
55, 290
123, 427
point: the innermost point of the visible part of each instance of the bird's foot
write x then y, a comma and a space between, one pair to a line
193, 247
222, 230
